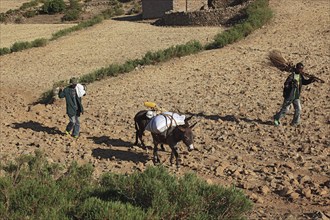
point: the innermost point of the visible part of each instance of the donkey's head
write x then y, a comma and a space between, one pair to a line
186, 134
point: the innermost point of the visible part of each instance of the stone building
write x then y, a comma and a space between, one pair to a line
157, 8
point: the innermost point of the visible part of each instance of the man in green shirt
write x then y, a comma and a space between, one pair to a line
73, 107
291, 94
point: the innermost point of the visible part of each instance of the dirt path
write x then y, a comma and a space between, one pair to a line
233, 93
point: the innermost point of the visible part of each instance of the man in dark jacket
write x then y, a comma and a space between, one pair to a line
291, 94
73, 107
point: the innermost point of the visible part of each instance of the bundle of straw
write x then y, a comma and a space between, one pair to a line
281, 63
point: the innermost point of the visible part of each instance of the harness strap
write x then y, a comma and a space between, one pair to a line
171, 121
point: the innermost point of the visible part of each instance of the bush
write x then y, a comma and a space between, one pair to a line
40, 42
71, 15
4, 51
29, 14
18, 46
174, 198
30, 4
3, 17
32, 188
53, 6
95, 208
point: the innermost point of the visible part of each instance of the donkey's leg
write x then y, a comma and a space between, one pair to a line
176, 154
140, 137
171, 158
156, 157
136, 137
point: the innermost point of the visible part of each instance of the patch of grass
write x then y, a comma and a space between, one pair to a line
80, 26
4, 51
30, 187
19, 46
27, 5
40, 42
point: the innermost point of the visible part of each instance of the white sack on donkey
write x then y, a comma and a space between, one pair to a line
165, 120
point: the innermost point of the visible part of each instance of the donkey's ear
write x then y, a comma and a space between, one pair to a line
188, 118
191, 127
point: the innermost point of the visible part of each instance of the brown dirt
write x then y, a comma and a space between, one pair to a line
233, 93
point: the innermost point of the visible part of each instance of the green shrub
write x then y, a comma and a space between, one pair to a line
29, 14
74, 5
53, 6
32, 188
95, 208
80, 26
19, 46
4, 51
40, 42
171, 198
71, 15
3, 17
30, 4
46, 97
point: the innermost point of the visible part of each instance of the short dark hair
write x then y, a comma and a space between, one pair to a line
73, 80
299, 65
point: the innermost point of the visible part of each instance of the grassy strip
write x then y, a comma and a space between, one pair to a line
258, 13
23, 45
32, 188
150, 58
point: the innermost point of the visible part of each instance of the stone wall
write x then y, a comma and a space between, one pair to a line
225, 3
214, 17
190, 5
157, 8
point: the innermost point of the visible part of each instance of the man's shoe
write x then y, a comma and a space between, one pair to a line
277, 122
67, 133
75, 137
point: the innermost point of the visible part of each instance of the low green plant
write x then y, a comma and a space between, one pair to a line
3, 17
40, 42
169, 197
71, 15
30, 4
4, 51
53, 6
30, 13
19, 46
30, 187
80, 26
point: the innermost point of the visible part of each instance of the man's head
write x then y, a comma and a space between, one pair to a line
73, 81
299, 67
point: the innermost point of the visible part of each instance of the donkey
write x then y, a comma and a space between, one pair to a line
141, 120
173, 137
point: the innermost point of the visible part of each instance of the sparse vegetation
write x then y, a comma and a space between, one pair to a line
35, 189
73, 11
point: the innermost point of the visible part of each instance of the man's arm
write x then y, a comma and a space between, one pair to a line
307, 81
